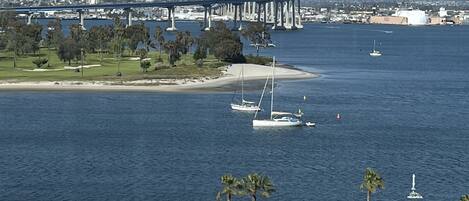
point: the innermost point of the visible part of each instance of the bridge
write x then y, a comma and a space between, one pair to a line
279, 13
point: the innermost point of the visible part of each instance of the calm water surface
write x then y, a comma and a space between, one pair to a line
405, 112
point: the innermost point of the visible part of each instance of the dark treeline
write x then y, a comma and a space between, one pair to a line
120, 40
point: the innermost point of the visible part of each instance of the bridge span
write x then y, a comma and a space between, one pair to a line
280, 13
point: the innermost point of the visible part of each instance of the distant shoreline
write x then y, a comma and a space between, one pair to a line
254, 75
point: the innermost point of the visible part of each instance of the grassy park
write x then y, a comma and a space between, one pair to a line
129, 67
34, 52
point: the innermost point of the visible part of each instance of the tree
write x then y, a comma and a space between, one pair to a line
184, 41
15, 40
39, 62
200, 51
99, 37
77, 33
200, 54
258, 35
68, 50
6, 19
136, 34
142, 53
372, 181
54, 35
223, 43
465, 198
146, 39
82, 44
33, 37
231, 186
159, 39
173, 52
145, 64
22, 38
118, 43
255, 183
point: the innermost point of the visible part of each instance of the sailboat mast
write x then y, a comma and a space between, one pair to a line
242, 84
273, 81
374, 45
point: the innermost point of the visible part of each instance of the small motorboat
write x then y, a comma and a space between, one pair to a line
310, 124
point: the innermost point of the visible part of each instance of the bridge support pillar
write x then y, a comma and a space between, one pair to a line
205, 17
209, 18
240, 17
254, 11
81, 16
129, 18
271, 12
287, 15
275, 14
293, 26
29, 18
300, 26
245, 8
235, 19
207, 11
258, 12
171, 19
264, 8
281, 26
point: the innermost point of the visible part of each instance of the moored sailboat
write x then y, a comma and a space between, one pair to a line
277, 119
244, 105
375, 53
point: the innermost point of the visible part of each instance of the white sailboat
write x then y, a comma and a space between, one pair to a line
277, 119
375, 53
244, 105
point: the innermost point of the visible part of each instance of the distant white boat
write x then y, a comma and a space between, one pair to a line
310, 124
244, 105
277, 119
375, 53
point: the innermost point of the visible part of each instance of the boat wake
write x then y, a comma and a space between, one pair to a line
378, 30
385, 31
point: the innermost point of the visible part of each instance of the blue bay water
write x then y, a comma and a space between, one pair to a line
405, 112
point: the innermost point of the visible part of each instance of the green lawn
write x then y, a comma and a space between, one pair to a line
185, 68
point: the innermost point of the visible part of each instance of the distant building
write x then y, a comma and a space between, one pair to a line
414, 17
437, 21
388, 20
443, 12
402, 17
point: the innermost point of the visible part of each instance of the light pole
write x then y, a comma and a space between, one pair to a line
81, 62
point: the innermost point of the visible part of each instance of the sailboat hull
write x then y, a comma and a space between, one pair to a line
246, 108
275, 123
375, 54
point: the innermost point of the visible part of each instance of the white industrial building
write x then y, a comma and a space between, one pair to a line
414, 17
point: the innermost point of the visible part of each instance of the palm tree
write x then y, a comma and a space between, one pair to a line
159, 39
173, 52
231, 186
465, 197
118, 42
254, 183
371, 182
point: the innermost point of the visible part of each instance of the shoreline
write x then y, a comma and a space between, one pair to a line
254, 75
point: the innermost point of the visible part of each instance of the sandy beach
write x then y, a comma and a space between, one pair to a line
231, 76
